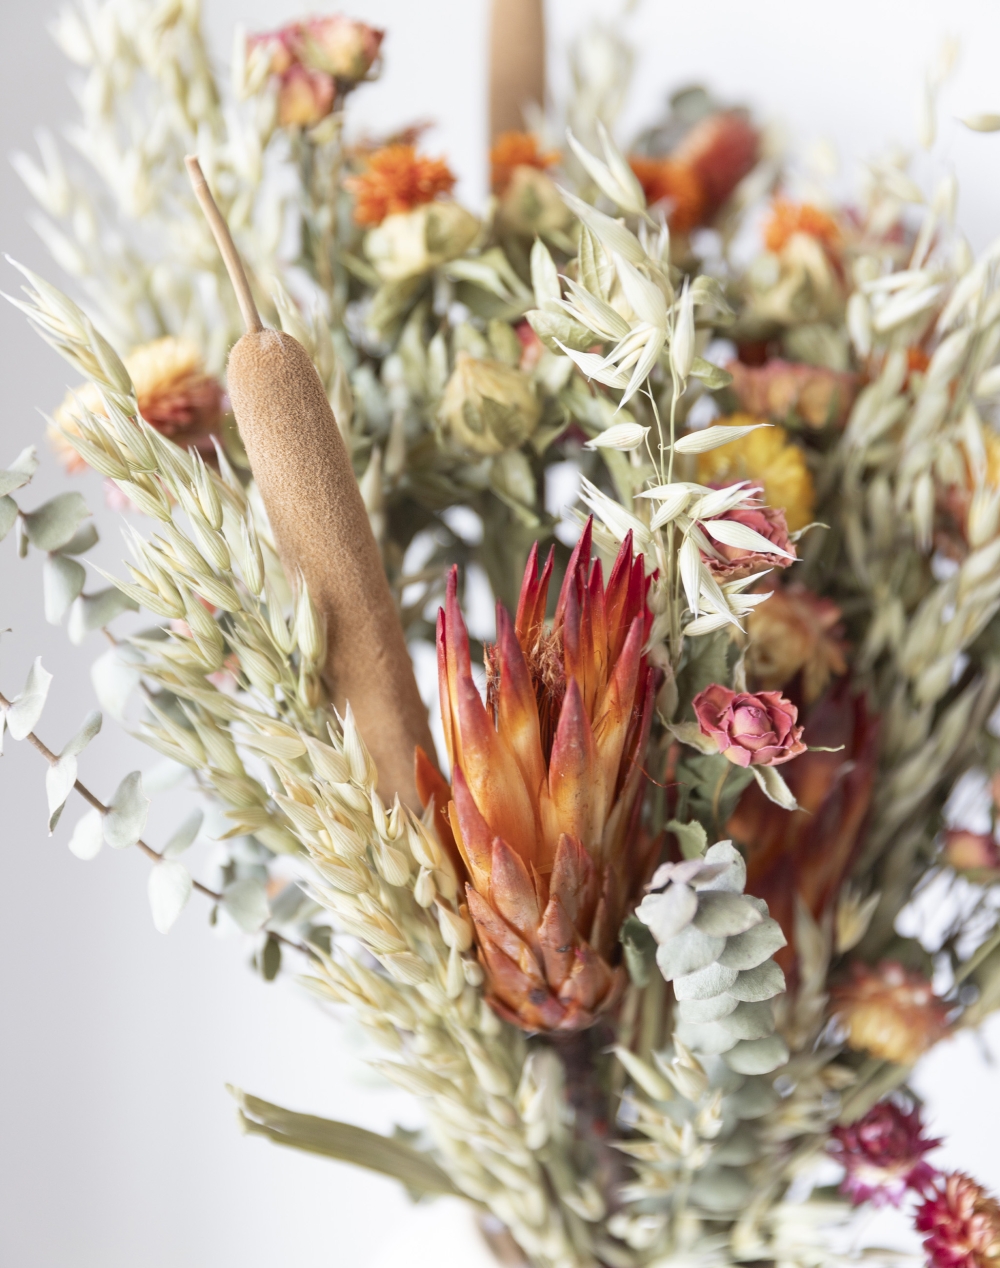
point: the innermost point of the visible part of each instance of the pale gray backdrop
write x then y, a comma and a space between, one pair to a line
118, 1147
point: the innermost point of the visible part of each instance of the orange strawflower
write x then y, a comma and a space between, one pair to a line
516, 149
664, 180
397, 179
890, 1012
788, 218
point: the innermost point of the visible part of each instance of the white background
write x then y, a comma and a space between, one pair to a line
118, 1145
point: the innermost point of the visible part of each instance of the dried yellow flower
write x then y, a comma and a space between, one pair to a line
768, 458
890, 1012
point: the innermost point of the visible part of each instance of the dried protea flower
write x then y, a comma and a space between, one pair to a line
316, 61
764, 457
512, 150
730, 563
963, 1225
396, 179
750, 729
720, 149
174, 393
546, 785
673, 185
883, 1155
789, 390
789, 218
975, 852
794, 632
889, 1011
487, 406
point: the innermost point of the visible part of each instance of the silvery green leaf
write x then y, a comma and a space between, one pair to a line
114, 681
62, 581
734, 875
666, 914
691, 837
690, 733
544, 275
713, 376
737, 1150
88, 836
59, 781
126, 817
82, 540
773, 786
720, 1189
556, 329
170, 887
763, 982
713, 437
704, 983
747, 950
91, 727
710, 1038
55, 521
26, 709
640, 950
749, 1021
723, 914
689, 951
702, 1010
753, 1100
184, 837
732, 533
95, 611
8, 516
757, 1056
246, 902
20, 471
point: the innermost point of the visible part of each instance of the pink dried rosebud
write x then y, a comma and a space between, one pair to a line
750, 729
780, 390
766, 524
970, 851
963, 1225
305, 96
889, 1011
883, 1155
343, 47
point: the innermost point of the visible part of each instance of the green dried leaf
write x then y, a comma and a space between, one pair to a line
640, 950
55, 521
270, 958
8, 516
185, 835
82, 540
126, 818
713, 376
170, 887
757, 1056
246, 902
344, 1142
114, 680
62, 581
691, 837
26, 709
96, 611
88, 836
20, 471
773, 786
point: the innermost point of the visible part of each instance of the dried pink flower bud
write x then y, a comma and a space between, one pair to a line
883, 1155
750, 729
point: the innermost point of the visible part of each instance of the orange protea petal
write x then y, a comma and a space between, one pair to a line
531, 605
472, 833
573, 768
580, 555
432, 786
557, 939
512, 891
503, 937
589, 982
574, 881
613, 717
517, 709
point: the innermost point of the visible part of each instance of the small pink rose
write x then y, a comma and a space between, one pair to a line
751, 729
729, 563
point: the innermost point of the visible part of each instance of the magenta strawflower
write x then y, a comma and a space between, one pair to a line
883, 1155
963, 1225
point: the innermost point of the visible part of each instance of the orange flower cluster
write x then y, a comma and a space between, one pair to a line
664, 181
397, 179
788, 218
516, 149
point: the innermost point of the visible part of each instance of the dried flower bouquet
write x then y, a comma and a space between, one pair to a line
641, 938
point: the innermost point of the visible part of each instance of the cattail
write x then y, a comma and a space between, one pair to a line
517, 63
321, 528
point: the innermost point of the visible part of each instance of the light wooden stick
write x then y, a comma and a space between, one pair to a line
321, 528
517, 62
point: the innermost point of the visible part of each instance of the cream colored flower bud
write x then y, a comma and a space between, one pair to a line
487, 406
455, 929
409, 243
309, 632
424, 891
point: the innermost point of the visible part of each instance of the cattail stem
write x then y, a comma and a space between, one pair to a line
517, 62
227, 247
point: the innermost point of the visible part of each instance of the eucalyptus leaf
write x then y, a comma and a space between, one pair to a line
723, 914
720, 1189
691, 837
26, 709
55, 521
246, 901
169, 887
91, 727
709, 1039
749, 1021
640, 950
748, 950
757, 1056
82, 540
126, 817
763, 982
269, 959
753, 1100
95, 611
734, 876
701, 1010
666, 914
689, 951
88, 836
185, 835
114, 680
773, 786
20, 471
704, 983
8, 516
62, 581
59, 781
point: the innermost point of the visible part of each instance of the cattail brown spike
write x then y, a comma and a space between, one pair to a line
321, 528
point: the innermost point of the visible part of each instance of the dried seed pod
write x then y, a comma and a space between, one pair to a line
321, 529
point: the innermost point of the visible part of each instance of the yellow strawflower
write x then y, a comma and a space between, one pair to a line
767, 457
